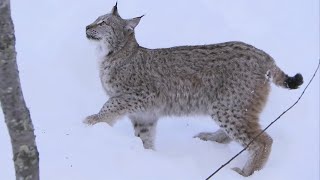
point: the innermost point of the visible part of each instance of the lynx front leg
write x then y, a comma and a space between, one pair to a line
145, 128
115, 108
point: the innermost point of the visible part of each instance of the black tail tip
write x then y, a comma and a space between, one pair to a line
294, 82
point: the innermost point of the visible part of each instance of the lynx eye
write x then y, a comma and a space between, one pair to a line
101, 22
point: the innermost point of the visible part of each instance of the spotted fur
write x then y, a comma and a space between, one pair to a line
228, 81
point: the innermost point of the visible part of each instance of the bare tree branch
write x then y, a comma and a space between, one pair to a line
17, 116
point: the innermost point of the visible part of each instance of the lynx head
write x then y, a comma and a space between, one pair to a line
111, 30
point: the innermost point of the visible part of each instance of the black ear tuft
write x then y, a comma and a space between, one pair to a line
132, 23
114, 10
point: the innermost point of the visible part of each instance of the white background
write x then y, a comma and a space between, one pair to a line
59, 75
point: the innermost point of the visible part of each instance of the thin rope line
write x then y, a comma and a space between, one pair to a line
314, 74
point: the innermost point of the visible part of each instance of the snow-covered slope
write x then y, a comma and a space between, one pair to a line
58, 70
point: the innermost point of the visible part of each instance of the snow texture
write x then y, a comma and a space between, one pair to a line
59, 75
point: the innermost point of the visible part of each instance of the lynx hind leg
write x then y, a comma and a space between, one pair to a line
145, 128
243, 130
219, 136
259, 152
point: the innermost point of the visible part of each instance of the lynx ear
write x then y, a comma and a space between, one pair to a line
114, 10
132, 23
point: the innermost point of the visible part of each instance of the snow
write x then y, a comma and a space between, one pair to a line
59, 75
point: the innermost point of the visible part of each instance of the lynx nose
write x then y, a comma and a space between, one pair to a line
90, 26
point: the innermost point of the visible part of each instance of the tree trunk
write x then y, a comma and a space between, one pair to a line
17, 116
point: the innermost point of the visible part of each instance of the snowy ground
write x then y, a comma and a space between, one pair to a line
59, 75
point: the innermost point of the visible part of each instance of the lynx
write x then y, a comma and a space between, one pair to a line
228, 81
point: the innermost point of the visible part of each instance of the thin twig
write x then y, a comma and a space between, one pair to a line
267, 126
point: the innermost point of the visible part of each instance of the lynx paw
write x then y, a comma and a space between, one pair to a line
91, 120
241, 172
218, 137
96, 118
203, 136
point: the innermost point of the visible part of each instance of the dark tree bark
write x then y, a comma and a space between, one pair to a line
17, 116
